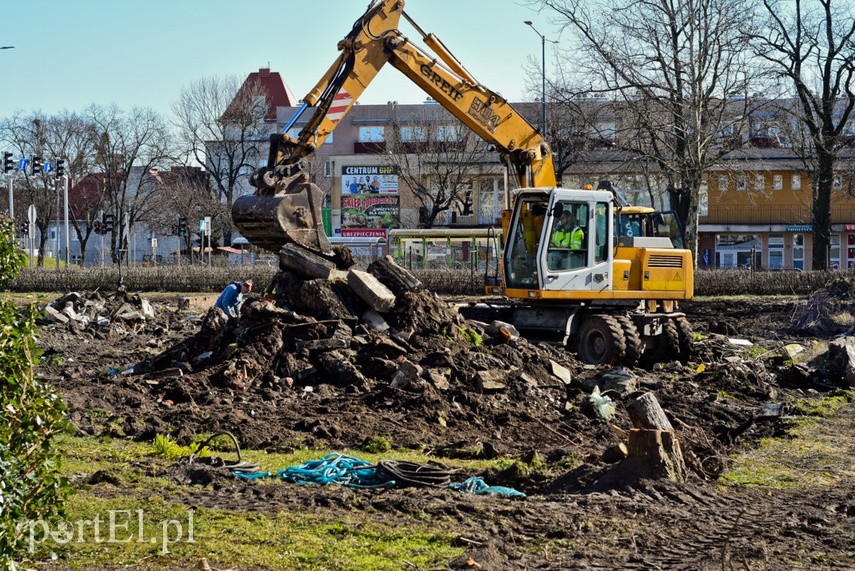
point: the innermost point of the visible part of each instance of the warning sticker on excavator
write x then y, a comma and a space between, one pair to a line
677, 277
341, 103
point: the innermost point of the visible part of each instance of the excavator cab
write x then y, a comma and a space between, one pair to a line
572, 253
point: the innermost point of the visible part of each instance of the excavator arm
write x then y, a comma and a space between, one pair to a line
286, 206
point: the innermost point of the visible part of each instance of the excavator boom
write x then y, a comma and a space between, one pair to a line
286, 206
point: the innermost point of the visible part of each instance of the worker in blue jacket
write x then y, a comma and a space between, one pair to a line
231, 298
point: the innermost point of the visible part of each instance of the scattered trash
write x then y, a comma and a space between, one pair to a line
602, 403
476, 485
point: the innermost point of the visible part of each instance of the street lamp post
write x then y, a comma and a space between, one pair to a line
543, 77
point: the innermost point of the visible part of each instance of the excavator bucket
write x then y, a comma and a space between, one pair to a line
270, 222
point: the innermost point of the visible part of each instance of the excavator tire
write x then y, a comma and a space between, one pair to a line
601, 340
632, 340
667, 347
686, 338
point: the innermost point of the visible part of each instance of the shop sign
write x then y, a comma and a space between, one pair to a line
849, 227
800, 228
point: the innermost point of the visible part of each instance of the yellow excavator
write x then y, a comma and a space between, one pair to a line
579, 267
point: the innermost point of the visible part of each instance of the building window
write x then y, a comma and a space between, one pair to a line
837, 183
722, 183
759, 182
835, 252
777, 182
741, 184
371, 134
329, 168
796, 182
606, 131
413, 135
448, 133
776, 251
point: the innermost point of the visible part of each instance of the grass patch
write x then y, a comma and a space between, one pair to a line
166, 535
153, 519
815, 453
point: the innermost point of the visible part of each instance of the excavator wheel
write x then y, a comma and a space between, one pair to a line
632, 340
686, 338
601, 340
667, 347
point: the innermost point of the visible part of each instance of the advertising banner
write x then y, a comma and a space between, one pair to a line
369, 179
370, 204
369, 216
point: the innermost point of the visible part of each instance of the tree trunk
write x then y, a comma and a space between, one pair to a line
821, 209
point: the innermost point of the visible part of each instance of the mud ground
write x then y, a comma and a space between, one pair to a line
582, 512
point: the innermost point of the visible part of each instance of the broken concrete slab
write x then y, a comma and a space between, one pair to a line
407, 374
560, 372
305, 263
397, 278
375, 321
55, 316
438, 379
371, 290
491, 381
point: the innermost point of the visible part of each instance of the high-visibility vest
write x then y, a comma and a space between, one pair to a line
562, 238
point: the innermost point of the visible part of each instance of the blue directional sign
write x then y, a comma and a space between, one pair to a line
48, 167
22, 164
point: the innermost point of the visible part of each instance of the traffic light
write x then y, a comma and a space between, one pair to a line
59, 168
107, 223
98, 228
182, 226
36, 164
25, 228
8, 163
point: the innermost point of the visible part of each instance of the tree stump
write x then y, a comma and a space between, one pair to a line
653, 446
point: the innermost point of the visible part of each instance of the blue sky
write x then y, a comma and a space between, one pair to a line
72, 53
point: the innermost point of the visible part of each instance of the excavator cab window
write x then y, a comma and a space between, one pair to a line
568, 239
522, 260
666, 224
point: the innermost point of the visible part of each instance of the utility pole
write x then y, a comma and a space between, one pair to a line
542, 76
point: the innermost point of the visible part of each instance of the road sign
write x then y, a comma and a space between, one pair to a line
31, 214
207, 224
154, 243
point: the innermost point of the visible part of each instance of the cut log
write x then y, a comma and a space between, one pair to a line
645, 412
304, 262
393, 276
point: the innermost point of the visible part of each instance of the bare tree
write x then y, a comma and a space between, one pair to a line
70, 137
811, 45
222, 125
673, 66
437, 157
128, 147
184, 191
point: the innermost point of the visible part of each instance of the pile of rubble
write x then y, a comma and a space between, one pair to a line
98, 313
363, 331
